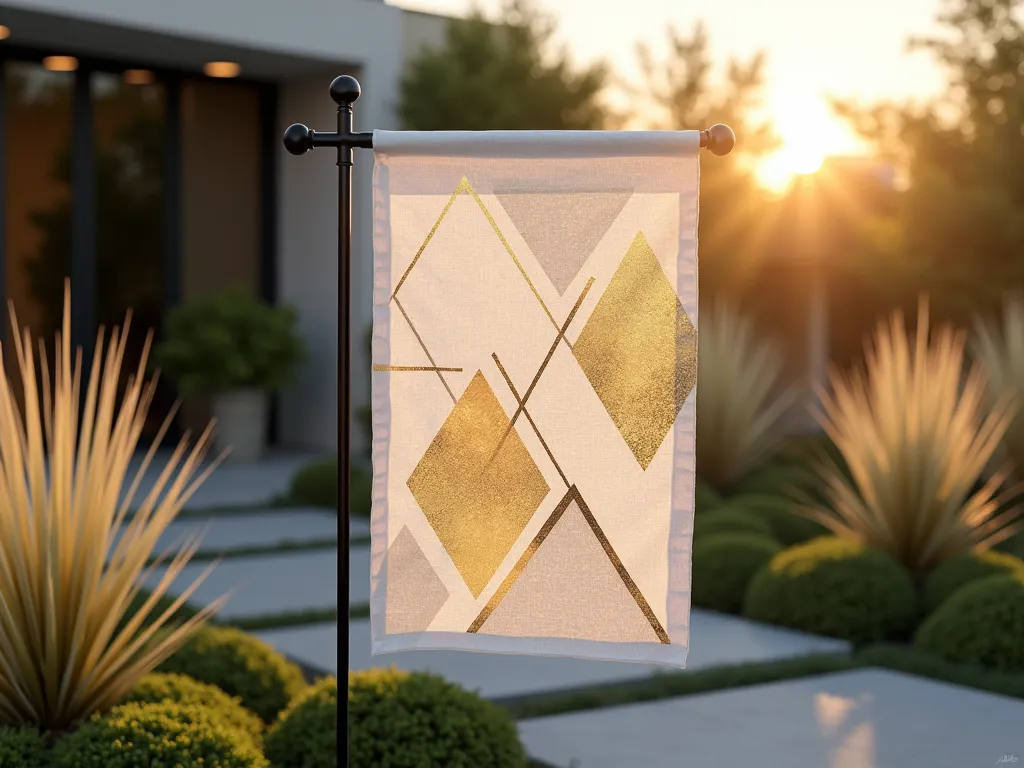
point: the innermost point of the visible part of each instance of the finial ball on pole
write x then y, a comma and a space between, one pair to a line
344, 90
718, 139
298, 139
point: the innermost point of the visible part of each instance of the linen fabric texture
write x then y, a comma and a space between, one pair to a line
534, 379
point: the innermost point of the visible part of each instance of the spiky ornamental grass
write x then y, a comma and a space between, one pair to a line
66, 577
739, 404
917, 433
1000, 349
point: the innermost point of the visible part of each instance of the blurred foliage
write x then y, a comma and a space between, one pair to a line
959, 228
506, 76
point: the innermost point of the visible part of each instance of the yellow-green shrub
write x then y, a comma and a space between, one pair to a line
306, 735
836, 587
961, 570
401, 718
723, 565
982, 623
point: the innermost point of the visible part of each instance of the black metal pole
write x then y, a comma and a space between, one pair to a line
299, 139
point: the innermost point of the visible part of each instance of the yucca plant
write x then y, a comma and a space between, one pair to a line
739, 403
1000, 349
916, 435
67, 646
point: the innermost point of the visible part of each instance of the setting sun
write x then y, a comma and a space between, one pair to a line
809, 133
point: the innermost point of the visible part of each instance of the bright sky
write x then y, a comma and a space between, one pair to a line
848, 48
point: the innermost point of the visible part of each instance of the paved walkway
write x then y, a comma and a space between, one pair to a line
715, 640
861, 719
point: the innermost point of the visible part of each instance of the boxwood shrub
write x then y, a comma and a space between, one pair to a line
23, 748
961, 570
831, 586
159, 687
306, 733
729, 520
723, 565
146, 735
981, 623
412, 719
705, 497
240, 665
316, 485
787, 526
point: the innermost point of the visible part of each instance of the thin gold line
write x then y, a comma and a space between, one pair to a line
533, 384
381, 367
451, 201
521, 564
424, 348
529, 418
634, 590
508, 248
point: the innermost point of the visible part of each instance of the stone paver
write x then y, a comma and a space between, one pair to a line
714, 640
266, 585
860, 719
232, 484
315, 645
261, 528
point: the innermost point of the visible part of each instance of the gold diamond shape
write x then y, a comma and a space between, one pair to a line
477, 507
639, 351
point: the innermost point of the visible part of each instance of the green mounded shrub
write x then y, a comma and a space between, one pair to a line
306, 734
981, 623
724, 564
229, 342
961, 570
786, 525
23, 748
159, 687
728, 520
403, 719
705, 497
832, 586
774, 479
148, 735
240, 665
316, 485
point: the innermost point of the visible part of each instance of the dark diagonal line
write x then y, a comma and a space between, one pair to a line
634, 590
424, 348
551, 352
529, 418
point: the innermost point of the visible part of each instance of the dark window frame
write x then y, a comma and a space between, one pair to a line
84, 219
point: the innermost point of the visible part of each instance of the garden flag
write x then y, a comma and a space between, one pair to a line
534, 376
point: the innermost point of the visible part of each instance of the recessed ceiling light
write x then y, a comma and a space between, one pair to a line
5, 32
137, 76
61, 63
222, 69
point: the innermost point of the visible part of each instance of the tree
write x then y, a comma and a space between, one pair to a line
961, 222
503, 76
734, 211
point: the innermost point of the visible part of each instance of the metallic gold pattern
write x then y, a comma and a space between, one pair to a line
477, 508
639, 351
573, 495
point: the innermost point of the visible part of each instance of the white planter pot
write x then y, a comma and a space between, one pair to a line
241, 424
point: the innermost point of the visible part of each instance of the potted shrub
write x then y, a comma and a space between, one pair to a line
236, 349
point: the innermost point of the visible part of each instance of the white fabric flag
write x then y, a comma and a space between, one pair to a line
534, 358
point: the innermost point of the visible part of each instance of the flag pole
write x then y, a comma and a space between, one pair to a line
298, 139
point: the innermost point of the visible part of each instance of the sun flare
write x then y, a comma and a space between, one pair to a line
809, 133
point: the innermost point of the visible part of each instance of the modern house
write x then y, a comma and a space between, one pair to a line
142, 156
